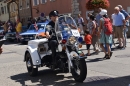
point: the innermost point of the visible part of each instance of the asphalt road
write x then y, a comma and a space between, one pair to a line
113, 72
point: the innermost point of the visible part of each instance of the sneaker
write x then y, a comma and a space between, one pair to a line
123, 48
111, 54
97, 52
87, 54
106, 56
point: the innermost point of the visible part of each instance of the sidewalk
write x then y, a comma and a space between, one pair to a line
116, 71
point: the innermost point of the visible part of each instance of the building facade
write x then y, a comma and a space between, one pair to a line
24, 10
45, 6
4, 15
13, 10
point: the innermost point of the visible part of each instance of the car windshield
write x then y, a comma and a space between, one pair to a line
66, 22
40, 27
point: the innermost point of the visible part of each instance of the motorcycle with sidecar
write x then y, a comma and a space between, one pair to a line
69, 57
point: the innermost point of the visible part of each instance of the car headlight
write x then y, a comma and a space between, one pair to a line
72, 40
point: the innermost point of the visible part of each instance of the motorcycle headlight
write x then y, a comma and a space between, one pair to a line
72, 40
80, 39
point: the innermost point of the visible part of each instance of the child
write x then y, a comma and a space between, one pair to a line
88, 39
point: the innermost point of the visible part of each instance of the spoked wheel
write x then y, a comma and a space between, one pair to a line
32, 71
79, 71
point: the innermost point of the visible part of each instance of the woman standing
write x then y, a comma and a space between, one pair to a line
104, 38
94, 33
81, 24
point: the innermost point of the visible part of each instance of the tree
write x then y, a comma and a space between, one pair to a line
95, 4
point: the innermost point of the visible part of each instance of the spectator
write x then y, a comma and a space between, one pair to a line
81, 24
119, 27
98, 17
28, 23
94, 33
127, 16
18, 29
39, 20
104, 39
88, 22
5, 26
88, 39
10, 27
0, 50
113, 24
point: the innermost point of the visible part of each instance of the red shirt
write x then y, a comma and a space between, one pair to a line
88, 39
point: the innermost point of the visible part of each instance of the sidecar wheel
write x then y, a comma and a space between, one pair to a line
79, 72
32, 71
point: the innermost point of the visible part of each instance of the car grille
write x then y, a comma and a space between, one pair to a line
11, 35
27, 36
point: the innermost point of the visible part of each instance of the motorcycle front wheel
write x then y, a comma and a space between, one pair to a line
79, 70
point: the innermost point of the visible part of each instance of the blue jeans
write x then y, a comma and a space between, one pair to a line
125, 35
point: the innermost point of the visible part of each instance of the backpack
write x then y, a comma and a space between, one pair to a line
108, 26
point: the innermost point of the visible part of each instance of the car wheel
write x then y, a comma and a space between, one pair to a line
32, 71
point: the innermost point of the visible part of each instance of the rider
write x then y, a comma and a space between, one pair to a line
53, 44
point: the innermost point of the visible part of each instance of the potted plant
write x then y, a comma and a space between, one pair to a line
95, 4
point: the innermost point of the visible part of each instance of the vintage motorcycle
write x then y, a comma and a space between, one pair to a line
69, 57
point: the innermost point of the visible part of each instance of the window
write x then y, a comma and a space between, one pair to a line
43, 1
23, 4
27, 3
20, 4
5, 9
11, 7
2, 10
52, 0
35, 2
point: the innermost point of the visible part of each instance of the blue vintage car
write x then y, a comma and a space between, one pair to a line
32, 32
1, 32
11, 36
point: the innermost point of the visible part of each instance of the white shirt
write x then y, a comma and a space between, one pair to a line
113, 18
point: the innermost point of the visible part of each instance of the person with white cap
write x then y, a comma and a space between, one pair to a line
104, 38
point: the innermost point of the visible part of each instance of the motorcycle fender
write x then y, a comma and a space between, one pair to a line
71, 55
36, 59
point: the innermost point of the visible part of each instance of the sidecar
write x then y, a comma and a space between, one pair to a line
38, 53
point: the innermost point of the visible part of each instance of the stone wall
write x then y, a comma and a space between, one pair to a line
75, 8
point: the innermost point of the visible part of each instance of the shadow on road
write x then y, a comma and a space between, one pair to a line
94, 60
49, 77
14, 42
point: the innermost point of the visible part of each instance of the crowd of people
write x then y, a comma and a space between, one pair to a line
94, 30
97, 33
10, 26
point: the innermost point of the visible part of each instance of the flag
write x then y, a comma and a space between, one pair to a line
36, 27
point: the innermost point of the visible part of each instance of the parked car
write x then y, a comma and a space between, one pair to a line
11, 36
1, 32
32, 32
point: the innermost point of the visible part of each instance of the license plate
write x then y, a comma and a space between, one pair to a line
26, 39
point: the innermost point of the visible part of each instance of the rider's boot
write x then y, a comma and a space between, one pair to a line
54, 64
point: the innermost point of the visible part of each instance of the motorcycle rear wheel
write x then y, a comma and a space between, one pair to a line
79, 72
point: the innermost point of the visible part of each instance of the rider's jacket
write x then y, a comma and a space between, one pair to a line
52, 32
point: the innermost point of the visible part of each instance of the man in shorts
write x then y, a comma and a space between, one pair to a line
119, 20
